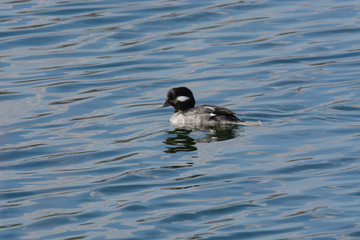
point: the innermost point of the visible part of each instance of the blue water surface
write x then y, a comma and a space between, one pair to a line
86, 154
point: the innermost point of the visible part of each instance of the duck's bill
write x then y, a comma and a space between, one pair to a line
165, 104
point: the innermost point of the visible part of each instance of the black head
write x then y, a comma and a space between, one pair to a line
181, 98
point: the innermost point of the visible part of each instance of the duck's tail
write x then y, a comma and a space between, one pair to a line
249, 123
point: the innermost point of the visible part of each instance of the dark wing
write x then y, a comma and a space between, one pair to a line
220, 113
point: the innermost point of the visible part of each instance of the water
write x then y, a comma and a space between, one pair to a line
86, 154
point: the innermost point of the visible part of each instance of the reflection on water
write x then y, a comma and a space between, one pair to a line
181, 139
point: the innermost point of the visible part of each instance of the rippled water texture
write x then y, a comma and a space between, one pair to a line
86, 154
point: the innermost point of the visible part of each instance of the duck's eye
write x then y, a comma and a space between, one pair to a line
182, 98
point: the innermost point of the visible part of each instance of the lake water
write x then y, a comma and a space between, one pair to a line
86, 154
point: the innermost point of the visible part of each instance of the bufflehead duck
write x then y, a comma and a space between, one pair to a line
186, 114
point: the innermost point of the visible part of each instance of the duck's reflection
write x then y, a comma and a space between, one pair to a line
182, 139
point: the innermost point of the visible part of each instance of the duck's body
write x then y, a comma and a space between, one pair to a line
185, 114
205, 115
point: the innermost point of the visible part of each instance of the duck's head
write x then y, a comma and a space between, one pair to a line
181, 98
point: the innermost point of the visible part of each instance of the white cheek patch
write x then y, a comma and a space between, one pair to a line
182, 98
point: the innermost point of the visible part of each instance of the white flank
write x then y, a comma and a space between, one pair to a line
182, 98
212, 114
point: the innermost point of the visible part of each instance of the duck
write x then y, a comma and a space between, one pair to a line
186, 114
